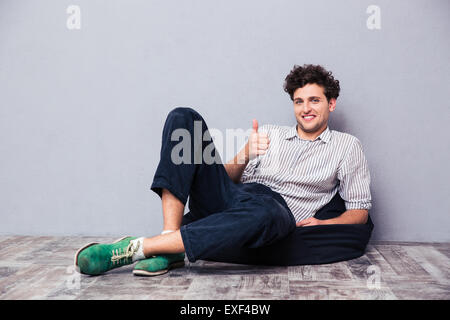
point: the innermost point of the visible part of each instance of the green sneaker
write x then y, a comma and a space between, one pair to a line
157, 265
95, 258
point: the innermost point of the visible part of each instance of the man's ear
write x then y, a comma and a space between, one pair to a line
332, 104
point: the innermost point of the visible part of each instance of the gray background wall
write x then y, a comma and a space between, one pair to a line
81, 111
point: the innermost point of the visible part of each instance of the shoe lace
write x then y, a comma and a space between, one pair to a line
120, 254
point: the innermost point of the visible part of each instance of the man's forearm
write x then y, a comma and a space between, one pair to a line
349, 217
236, 167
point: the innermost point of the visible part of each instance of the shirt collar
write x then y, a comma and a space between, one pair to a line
324, 136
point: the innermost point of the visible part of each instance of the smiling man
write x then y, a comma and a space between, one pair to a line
312, 109
293, 195
316, 162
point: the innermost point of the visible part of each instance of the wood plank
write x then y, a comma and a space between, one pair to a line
33, 282
202, 267
402, 263
336, 290
239, 287
7, 271
169, 288
434, 262
120, 283
417, 290
213, 287
21, 246
443, 248
360, 268
263, 287
387, 274
325, 272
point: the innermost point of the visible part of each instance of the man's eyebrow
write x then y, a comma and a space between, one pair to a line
312, 97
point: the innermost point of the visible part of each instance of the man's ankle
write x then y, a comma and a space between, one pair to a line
139, 254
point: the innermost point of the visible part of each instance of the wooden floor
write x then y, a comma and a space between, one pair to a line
42, 268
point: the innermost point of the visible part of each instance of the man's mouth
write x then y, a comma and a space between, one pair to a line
308, 117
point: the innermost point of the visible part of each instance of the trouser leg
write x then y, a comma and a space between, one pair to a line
223, 216
253, 221
185, 167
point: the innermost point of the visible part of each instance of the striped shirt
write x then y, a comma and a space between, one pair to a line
308, 174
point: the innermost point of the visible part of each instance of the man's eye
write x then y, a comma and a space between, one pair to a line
298, 102
316, 100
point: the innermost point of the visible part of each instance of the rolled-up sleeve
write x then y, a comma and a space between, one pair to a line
354, 179
249, 169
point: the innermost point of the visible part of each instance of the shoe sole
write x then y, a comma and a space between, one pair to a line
87, 246
157, 273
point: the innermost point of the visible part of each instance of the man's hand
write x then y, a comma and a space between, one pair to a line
309, 222
354, 216
258, 142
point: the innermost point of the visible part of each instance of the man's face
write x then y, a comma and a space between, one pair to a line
312, 110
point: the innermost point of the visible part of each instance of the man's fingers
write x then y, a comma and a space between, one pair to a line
309, 222
262, 135
303, 222
263, 140
261, 152
259, 136
259, 142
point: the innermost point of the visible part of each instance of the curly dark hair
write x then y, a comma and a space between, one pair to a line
308, 74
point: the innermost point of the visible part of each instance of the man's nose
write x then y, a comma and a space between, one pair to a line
307, 107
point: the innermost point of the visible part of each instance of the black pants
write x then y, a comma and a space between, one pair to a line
244, 223
310, 245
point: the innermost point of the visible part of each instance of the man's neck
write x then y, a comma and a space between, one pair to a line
310, 136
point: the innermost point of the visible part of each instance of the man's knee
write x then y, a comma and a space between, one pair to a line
265, 215
184, 113
275, 217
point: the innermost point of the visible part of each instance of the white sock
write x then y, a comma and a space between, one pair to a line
139, 254
139, 242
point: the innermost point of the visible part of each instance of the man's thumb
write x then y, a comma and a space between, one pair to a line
255, 125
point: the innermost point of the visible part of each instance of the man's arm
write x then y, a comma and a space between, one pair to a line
354, 178
354, 216
236, 167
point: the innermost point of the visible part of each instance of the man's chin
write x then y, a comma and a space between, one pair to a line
309, 129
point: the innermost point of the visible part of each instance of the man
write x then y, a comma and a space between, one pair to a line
280, 201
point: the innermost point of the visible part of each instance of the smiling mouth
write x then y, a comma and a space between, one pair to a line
308, 118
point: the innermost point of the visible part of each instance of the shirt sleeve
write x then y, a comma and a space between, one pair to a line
249, 169
354, 179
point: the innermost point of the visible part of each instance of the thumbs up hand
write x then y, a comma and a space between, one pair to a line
258, 142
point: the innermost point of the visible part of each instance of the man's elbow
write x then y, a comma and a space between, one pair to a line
364, 216
358, 216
